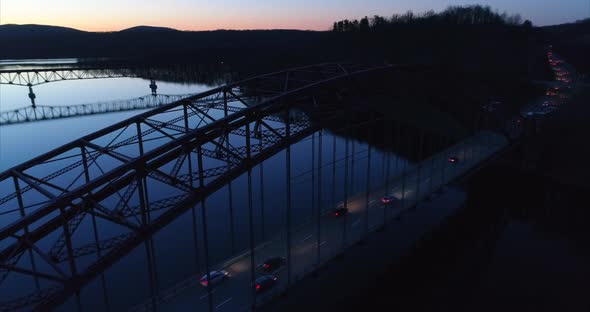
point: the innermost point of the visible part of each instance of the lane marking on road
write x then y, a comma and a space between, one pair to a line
226, 301
307, 238
323, 242
207, 294
357, 222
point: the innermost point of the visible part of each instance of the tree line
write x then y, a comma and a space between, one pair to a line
453, 15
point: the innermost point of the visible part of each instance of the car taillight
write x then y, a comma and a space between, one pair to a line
257, 287
267, 266
336, 214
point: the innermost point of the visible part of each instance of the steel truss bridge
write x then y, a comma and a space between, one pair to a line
46, 112
187, 149
34, 77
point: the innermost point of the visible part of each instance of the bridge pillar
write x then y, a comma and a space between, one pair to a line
32, 95
153, 87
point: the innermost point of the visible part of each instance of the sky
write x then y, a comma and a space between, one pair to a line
110, 15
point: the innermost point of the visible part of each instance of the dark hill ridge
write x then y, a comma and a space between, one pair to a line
485, 50
146, 42
13, 30
144, 28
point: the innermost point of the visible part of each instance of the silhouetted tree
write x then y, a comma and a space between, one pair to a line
453, 15
364, 24
527, 24
378, 23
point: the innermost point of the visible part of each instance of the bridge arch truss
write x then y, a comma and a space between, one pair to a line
189, 148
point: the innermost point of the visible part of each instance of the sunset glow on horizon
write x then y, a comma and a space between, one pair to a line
112, 15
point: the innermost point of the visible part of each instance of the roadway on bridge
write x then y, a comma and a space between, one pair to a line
558, 91
419, 182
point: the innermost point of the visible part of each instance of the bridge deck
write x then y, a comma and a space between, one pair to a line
418, 182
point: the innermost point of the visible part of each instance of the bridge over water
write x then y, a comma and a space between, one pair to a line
72, 213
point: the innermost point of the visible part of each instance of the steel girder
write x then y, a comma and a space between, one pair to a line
183, 147
41, 76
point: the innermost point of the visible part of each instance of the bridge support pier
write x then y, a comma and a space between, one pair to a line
153, 87
32, 96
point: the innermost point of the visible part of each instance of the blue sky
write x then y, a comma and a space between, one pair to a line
106, 15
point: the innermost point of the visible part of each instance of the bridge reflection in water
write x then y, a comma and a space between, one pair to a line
47, 112
220, 180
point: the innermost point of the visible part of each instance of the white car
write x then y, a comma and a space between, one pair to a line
216, 277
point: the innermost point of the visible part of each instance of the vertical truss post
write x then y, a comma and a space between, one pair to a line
334, 170
139, 138
368, 190
192, 179
21, 209
262, 225
319, 206
444, 159
288, 160
196, 239
204, 217
313, 207
153, 287
396, 147
68, 237
231, 218
387, 170
251, 220
145, 219
344, 218
229, 185
95, 228
353, 154
252, 243
225, 103
144, 204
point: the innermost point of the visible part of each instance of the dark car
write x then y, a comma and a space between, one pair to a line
216, 278
340, 212
387, 199
453, 159
272, 264
265, 282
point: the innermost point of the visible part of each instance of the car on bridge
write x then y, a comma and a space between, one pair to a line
265, 282
387, 199
273, 263
216, 277
341, 212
